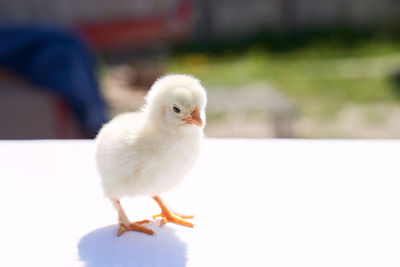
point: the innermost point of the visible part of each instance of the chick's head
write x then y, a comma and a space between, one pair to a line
177, 102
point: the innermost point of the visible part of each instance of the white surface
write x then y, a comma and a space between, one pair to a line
256, 202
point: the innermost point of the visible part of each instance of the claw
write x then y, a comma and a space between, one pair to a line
142, 222
176, 214
184, 216
174, 219
125, 224
136, 226
168, 215
156, 216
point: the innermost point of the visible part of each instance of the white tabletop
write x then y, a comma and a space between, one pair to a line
256, 202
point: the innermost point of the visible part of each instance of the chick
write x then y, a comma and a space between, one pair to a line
150, 151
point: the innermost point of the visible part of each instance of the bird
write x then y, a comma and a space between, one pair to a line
148, 152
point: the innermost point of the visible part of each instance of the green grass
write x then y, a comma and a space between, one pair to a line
320, 76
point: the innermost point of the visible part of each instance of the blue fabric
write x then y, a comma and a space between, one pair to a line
54, 58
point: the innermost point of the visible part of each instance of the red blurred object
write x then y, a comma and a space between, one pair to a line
29, 112
126, 33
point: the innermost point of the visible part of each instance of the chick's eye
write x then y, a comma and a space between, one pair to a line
176, 110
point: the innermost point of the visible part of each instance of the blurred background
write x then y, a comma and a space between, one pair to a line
272, 68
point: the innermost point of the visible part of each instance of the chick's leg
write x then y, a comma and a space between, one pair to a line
167, 215
125, 224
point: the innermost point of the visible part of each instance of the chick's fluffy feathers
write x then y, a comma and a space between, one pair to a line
141, 153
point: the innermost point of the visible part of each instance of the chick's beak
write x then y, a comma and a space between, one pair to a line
194, 118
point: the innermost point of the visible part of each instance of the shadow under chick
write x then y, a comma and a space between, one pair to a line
102, 247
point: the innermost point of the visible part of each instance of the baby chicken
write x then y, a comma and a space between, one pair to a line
150, 151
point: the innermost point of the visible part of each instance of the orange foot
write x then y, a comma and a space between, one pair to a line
135, 226
168, 215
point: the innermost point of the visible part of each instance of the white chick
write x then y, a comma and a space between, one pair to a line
150, 151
